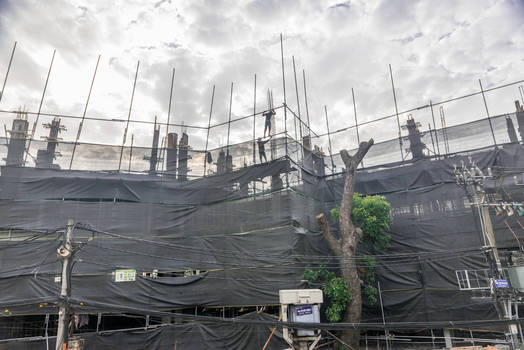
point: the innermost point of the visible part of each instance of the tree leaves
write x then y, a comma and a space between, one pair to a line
335, 290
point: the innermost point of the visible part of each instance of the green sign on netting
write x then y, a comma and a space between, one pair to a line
125, 275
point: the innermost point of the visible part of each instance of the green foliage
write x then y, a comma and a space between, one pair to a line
372, 215
335, 290
371, 293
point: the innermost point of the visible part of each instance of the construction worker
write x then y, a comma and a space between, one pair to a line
267, 126
261, 148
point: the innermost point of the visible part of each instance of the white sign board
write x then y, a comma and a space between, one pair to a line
125, 275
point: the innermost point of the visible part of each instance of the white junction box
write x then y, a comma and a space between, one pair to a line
303, 306
301, 296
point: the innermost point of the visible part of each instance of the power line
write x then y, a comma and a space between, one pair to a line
80, 304
90, 228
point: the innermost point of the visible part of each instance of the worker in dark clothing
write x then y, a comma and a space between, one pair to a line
261, 148
267, 126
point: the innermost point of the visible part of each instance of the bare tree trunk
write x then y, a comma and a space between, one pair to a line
345, 247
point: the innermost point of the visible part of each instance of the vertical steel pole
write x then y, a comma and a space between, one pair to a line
298, 100
254, 117
329, 139
432, 141
305, 98
396, 112
84, 114
487, 113
40, 106
128, 117
444, 129
169, 114
169, 105
131, 152
355, 112
284, 89
434, 126
229, 118
8, 70
285, 101
208, 128
356, 120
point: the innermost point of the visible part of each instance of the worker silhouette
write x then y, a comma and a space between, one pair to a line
267, 126
261, 148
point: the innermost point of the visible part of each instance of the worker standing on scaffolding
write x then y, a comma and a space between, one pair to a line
261, 148
267, 126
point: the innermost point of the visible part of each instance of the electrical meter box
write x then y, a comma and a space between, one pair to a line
307, 314
300, 296
301, 305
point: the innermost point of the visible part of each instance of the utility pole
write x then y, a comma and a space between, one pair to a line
473, 177
65, 252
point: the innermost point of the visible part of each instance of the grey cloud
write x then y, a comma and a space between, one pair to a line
340, 5
409, 39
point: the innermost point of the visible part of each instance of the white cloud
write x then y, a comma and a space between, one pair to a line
438, 49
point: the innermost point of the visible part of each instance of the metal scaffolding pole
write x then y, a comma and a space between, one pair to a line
208, 128
396, 112
84, 114
40, 106
298, 98
169, 105
487, 113
434, 126
355, 112
131, 152
284, 89
8, 70
254, 118
169, 113
305, 98
285, 101
329, 139
128, 117
356, 120
229, 118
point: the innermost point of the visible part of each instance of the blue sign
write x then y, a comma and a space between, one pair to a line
501, 284
304, 310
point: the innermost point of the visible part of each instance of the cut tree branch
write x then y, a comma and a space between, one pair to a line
334, 243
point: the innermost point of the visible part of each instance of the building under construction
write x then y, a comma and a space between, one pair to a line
188, 248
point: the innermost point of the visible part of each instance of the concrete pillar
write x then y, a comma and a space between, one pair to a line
153, 159
183, 156
16, 147
171, 154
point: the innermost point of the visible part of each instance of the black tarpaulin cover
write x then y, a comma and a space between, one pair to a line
244, 248
194, 335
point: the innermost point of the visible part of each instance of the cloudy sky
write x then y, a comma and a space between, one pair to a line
437, 49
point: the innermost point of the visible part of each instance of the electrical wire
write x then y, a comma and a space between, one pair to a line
235, 254
79, 304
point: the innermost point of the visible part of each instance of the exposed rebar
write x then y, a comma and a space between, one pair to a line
208, 128
84, 114
40, 106
128, 117
8, 70
396, 112
229, 118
